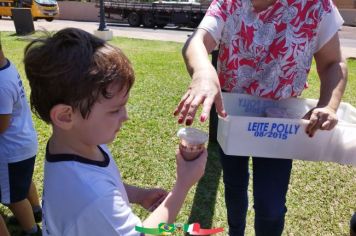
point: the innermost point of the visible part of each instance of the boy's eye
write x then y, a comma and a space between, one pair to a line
115, 111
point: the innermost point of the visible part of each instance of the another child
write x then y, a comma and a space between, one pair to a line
18, 148
3, 228
353, 225
80, 85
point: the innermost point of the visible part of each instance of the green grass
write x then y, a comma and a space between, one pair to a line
321, 198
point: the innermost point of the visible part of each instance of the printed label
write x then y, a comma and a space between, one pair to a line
272, 130
22, 91
256, 106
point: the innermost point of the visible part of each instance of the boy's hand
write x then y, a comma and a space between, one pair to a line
189, 172
152, 198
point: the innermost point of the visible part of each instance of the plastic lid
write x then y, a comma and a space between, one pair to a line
192, 135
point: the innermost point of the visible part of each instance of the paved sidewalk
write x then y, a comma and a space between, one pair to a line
348, 41
347, 33
123, 30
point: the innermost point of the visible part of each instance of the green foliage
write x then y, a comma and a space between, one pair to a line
321, 198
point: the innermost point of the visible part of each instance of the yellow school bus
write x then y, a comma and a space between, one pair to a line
40, 9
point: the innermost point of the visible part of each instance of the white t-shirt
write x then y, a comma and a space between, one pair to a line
84, 198
19, 141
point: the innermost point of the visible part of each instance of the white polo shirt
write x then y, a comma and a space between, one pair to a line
83, 198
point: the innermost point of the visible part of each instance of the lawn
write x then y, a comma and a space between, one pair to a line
321, 198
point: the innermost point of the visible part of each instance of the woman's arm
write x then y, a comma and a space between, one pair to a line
332, 71
204, 88
196, 49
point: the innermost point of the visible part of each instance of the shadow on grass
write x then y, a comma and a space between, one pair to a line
205, 196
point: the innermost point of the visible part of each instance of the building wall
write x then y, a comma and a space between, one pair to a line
347, 10
78, 11
345, 4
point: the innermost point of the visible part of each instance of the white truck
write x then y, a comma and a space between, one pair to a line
159, 13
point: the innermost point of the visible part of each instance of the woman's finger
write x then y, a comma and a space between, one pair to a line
219, 104
312, 126
181, 103
185, 108
329, 124
325, 125
208, 103
193, 109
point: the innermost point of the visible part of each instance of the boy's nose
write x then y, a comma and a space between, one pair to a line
125, 116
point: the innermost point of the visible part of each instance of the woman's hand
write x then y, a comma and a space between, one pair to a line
204, 89
323, 118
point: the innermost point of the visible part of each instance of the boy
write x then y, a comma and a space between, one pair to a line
353, 225
18, 148
80, 85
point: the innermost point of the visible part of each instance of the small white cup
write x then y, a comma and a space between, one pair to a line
192, 142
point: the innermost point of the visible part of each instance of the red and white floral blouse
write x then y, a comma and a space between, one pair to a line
269, 53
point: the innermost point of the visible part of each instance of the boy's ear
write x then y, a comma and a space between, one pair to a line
62, 116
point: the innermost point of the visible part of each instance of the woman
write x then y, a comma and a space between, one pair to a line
265, 49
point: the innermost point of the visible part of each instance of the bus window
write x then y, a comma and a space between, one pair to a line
46, 2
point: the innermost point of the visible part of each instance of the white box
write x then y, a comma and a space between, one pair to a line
246, 132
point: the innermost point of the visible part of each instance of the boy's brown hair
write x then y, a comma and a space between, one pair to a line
73, 67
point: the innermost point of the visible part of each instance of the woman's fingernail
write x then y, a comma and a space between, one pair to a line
203, 118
